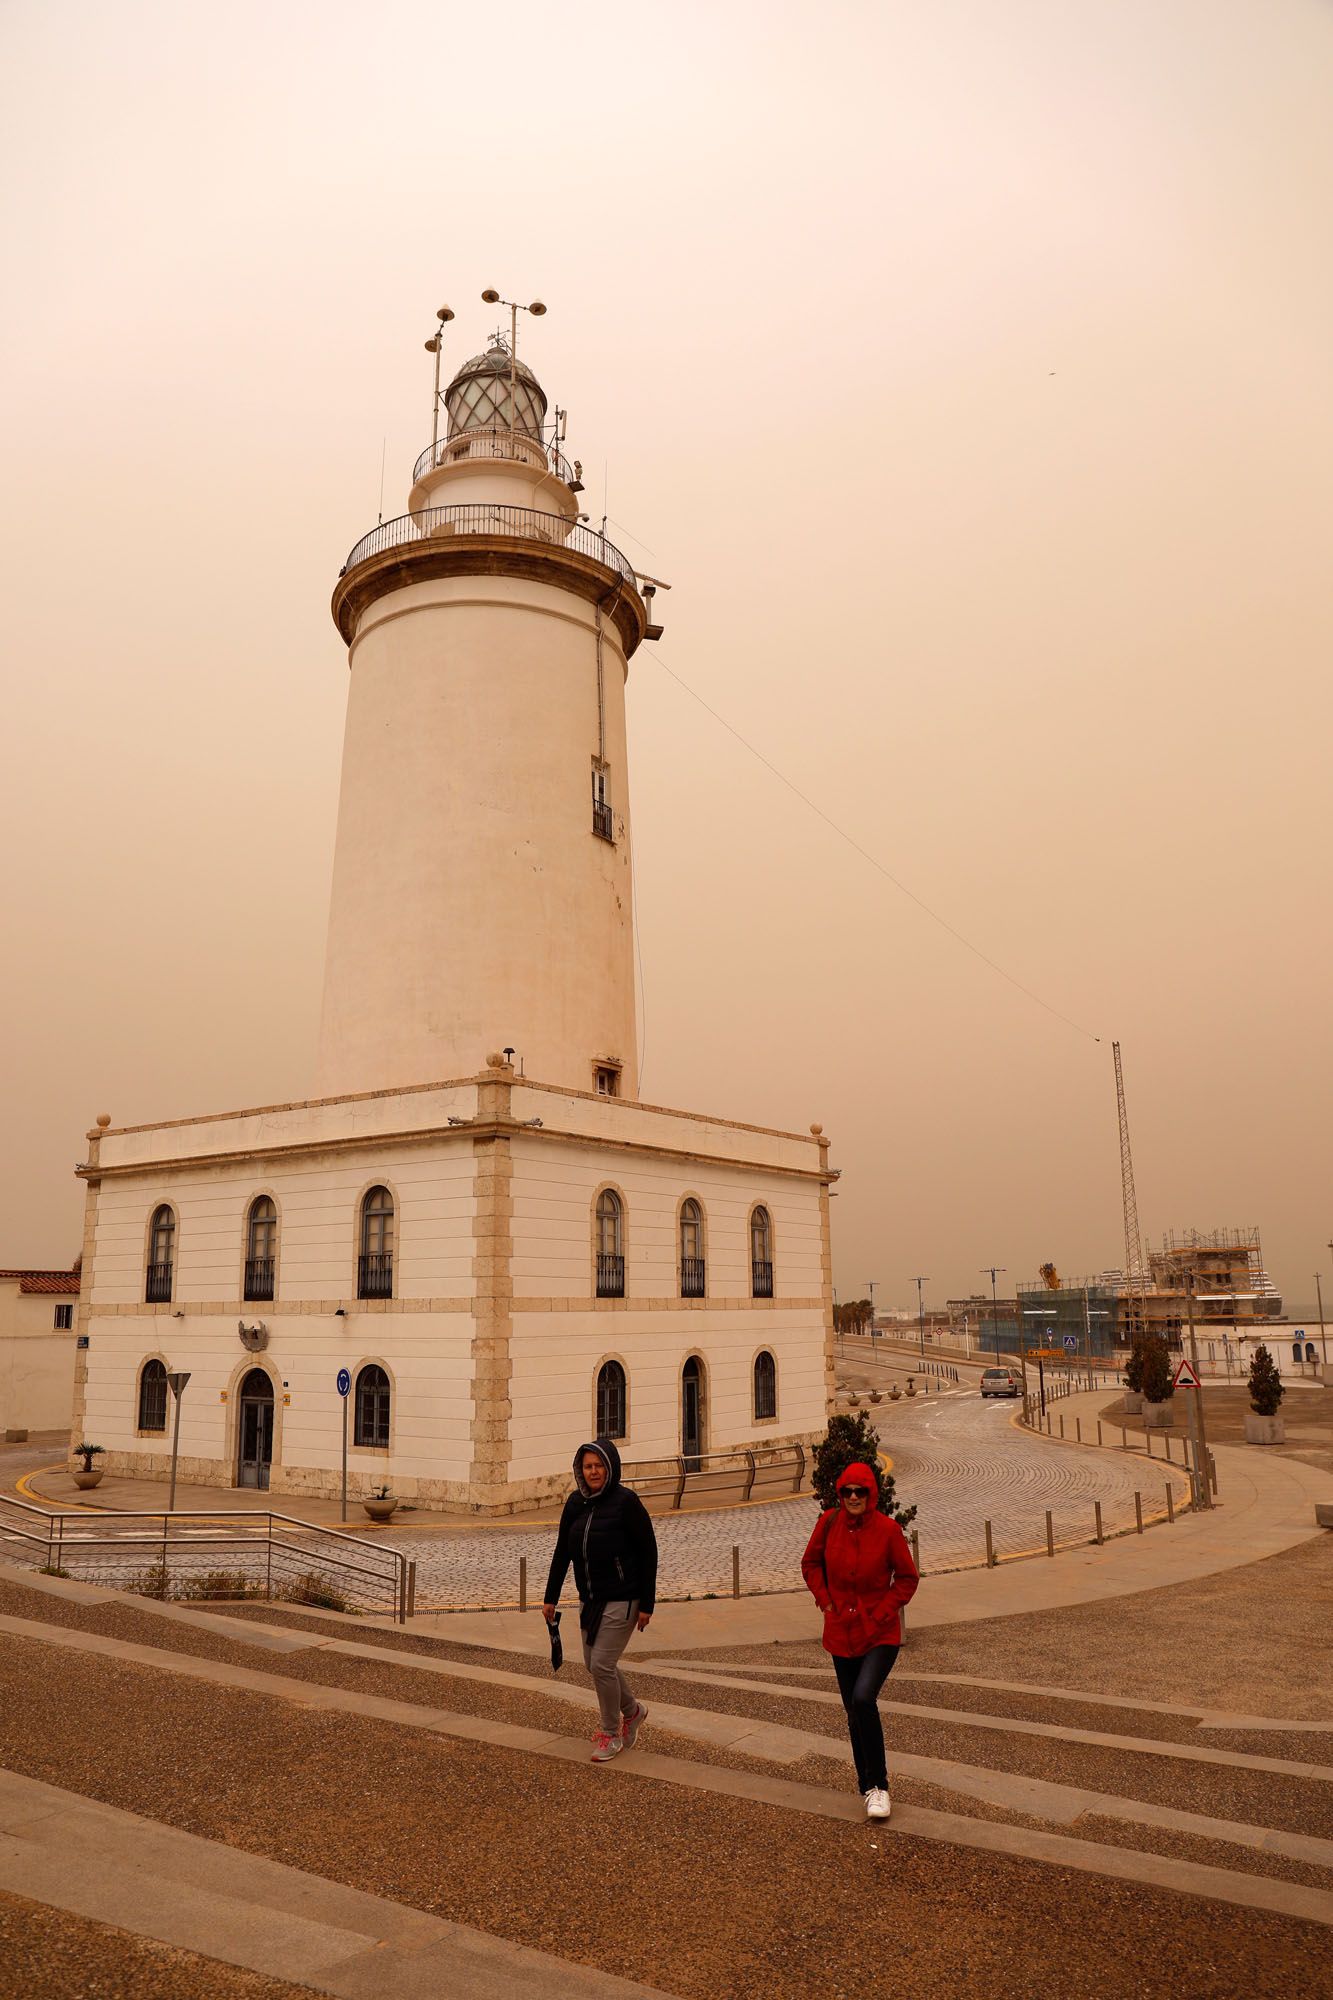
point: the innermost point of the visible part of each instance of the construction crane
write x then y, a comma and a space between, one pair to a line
1136, 1277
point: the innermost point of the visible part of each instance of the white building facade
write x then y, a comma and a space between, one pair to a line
526, 1255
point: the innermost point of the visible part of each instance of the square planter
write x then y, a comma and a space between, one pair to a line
1157, 1416
1131, 1402
1264, 1430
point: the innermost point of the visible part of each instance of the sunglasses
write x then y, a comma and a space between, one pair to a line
856, 1492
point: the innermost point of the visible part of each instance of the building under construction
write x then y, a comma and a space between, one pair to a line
1222, 1270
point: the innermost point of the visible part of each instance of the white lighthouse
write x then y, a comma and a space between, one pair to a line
475, 1219
482, 881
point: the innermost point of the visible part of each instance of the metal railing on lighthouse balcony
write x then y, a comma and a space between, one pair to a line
467, 446
524, 524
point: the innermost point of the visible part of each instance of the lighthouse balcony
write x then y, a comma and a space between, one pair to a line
488, 518
470, 446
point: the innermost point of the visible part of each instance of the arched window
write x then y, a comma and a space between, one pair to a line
161, 1256
610, 1246
153, 1397
761, 1254
372, 1407
374, 1271
261, 1248
691, 1249
611, 1400
765, 1386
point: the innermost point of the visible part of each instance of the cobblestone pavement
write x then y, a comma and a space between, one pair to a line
958, 1459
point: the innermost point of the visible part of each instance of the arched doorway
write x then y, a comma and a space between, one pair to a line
255, 1431
691, 1413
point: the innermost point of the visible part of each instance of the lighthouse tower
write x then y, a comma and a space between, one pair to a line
475, 1232
482, 881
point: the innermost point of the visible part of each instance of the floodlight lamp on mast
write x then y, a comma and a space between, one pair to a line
491, 297
434, 346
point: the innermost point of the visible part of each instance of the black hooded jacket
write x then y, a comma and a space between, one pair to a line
607, 1536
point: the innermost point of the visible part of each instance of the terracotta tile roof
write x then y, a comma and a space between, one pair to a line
61, 1283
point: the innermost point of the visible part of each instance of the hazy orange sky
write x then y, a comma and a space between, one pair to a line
966, 370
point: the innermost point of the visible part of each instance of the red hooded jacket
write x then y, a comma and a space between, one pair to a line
860, 1573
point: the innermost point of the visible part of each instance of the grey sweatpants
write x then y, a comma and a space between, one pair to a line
602, 1659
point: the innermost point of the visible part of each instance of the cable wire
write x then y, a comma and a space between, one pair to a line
866, 855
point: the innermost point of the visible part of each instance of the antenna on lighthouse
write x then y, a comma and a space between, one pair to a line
433, 346
491, 297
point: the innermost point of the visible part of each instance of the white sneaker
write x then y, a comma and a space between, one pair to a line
877, 1803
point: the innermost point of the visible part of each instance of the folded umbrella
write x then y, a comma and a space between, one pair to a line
557, 1650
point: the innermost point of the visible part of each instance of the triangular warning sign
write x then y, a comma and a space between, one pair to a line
1186, 1377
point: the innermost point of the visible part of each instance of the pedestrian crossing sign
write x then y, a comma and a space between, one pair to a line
1186, 1377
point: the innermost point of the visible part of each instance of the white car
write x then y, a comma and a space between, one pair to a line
1001, 1382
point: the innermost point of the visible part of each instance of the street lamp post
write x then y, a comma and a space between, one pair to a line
997, 1270
1319, 1294
870, 1287
921, 1317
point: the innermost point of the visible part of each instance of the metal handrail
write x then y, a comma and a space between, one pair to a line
66, 1532
524, 524
656, 1478
493, 443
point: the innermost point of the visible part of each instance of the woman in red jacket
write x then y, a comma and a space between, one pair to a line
860, 1571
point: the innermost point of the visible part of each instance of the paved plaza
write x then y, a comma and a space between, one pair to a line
959, 1460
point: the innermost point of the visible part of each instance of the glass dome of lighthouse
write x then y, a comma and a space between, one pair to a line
478, 398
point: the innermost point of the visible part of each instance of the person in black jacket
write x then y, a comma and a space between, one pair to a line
605, 1531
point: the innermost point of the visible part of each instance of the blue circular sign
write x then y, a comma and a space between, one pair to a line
344, 1383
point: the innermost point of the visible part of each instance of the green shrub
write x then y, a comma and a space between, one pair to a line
853, 1441
152, 1582
312, 1588
1157, 1382
1266, 1390
219, 1583
1134, 1369
52, 1569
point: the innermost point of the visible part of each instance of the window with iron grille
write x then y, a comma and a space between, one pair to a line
610, 1245
161, 1256
153, 1397
64, 1318
372, 1407
374, 1272
602, 823
611, 1400
691, 1249
765, 1387
261, 1246
761, 1254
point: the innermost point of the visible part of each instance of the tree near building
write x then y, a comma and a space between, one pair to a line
854, 1441
1134, 1369
1266, 1390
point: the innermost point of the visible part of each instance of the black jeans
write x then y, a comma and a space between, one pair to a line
859, 1683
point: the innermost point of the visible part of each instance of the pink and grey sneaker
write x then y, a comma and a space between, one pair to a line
605, 1747
631, 1724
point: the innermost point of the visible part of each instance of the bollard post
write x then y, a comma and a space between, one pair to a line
735, 1569
522, 1583
1170, 1502
1062, 1423
1097, 1509
1078, 1430
915, 1540
1168, 1447
1050, 1534
1124, 1438
1138, 1512
990, 1548
1148, 1439
1099, 1430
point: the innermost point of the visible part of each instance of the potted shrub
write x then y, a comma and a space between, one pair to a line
88, 1475
1158, 1387
911, 1386
1132, 1400
894, 1392
381, 1504
1263, 1425
855, 1441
